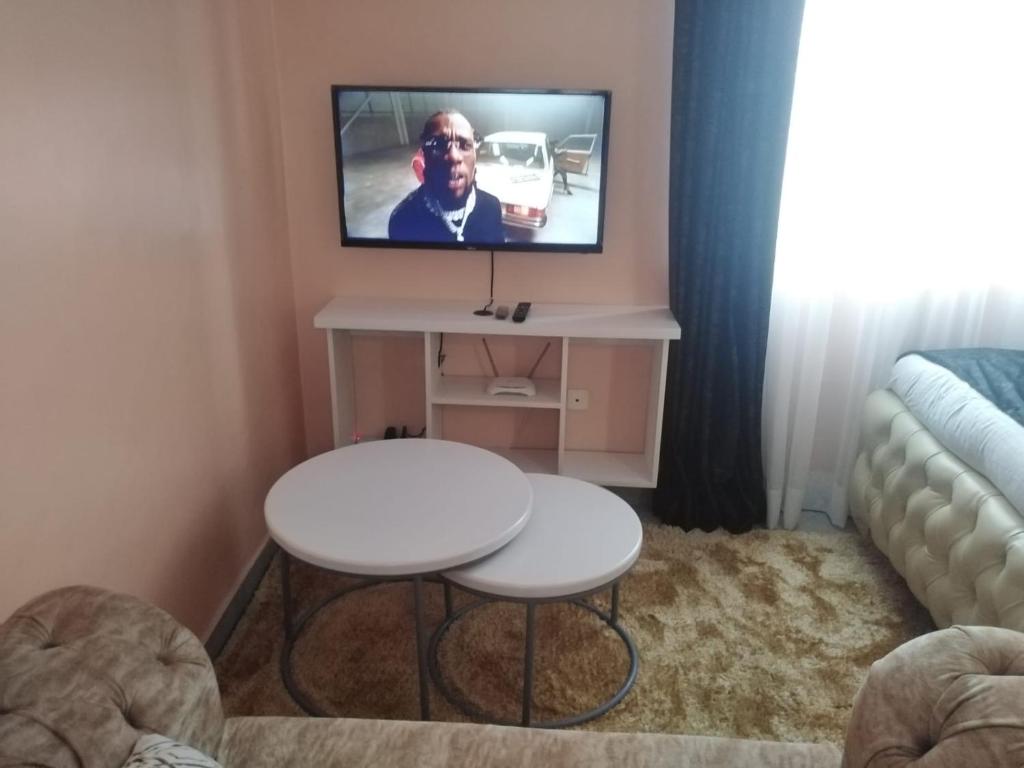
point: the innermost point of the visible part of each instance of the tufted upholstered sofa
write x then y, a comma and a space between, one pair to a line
953, 698
84, 673
948, 531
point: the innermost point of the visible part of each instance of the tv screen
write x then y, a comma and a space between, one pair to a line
471, 169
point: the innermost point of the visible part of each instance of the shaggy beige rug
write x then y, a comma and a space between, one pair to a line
766, 635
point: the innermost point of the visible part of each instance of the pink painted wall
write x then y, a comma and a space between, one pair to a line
622, 46
148, 385
153, 325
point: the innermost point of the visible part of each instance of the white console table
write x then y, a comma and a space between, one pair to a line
653, 326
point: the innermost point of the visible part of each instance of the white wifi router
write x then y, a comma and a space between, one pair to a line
512, 385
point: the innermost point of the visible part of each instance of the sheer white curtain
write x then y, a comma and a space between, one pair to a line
902, 220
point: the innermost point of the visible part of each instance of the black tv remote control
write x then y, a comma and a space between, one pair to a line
522, 308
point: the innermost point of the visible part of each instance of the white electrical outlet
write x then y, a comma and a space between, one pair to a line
579, 399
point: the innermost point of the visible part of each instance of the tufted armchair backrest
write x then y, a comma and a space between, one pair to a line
948, 699
84, 672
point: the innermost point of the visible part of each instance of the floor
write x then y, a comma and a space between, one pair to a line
818, 522
811, 521
766, 635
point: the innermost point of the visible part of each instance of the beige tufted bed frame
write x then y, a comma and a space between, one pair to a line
949, 532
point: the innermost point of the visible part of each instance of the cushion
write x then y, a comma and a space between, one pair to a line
155, 751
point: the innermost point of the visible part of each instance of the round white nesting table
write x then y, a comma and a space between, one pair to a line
581, 539
393, 509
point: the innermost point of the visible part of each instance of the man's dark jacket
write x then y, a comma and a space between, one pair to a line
412, 220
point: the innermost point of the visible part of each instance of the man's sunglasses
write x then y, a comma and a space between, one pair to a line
438, 145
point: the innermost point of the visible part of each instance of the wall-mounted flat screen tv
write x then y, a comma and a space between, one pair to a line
480, 169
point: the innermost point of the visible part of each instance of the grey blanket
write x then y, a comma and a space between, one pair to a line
996, 374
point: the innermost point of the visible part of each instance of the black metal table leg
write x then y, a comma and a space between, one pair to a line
528, 664
421, 648
463, 704
286, 594
295, 625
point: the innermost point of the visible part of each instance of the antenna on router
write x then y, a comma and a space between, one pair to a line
493, 366
541, 357
512, 385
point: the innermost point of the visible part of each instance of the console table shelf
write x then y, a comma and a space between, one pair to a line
531, 459
472, 390
564, 324
609, 467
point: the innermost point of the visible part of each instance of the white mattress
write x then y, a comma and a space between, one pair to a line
965, 422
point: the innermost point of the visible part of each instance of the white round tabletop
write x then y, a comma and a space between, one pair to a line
398, 507
580, 537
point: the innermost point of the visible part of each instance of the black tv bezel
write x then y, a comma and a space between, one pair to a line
383, 242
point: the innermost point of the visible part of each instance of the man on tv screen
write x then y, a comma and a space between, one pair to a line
448, 206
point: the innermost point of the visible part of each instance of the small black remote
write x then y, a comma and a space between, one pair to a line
522, 308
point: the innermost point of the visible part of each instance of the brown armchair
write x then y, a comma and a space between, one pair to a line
949, 699
84, 673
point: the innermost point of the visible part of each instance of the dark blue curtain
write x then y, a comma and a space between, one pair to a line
732, 90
